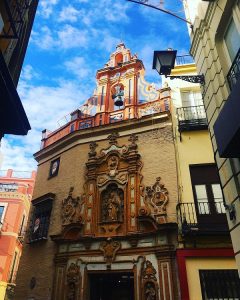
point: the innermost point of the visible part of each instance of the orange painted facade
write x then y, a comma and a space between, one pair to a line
16, 190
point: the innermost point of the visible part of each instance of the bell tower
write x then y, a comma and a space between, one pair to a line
117, 85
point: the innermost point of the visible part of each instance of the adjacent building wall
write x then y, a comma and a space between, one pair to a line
210, 21
15, 199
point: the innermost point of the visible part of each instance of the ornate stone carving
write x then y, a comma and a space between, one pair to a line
113, 162
133, 138
109, 249
156, 199
113, 138
149, 291
148, 271
149, 283
71, 208
92, 153
121, 178
73, 276
112, 201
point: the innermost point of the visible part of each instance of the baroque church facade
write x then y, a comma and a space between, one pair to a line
103, 221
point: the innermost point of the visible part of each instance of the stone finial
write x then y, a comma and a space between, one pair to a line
92, 147
113, 138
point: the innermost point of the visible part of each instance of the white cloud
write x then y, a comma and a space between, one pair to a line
67, 37
78, 66
44, 38
72, 37
68, 13
28, 73
46, 7
109, 42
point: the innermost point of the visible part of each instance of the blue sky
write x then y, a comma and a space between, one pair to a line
69, 42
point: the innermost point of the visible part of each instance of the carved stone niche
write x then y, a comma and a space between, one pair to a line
156, 199
73, 279
71, 209
149, 284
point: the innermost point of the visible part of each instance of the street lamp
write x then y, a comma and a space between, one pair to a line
163, 62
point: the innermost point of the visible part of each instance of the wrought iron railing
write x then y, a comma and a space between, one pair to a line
234, 72
184, 60
190, 217
191, 118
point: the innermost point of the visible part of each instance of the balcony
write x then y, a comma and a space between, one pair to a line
191, 118
234, 72
184, 60
203, 219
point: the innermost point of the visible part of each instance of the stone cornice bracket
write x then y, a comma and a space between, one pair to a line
113, 138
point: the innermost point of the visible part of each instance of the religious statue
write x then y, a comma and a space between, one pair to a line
112, 201
113, 207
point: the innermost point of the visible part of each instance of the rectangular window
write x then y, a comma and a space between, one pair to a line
191, 98
40, 221
1, 212
232, 38
207, 190
21, 229
220, 284
102, 98
54, 167
130, 91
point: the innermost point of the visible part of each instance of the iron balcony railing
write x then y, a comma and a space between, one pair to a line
191, 118
203, 217
234, 72
184, 60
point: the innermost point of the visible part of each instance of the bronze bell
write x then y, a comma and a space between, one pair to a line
118, 101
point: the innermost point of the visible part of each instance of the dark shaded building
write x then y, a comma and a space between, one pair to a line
16, 20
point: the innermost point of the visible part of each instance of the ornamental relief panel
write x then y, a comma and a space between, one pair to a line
115, 200
71, 209
155, 200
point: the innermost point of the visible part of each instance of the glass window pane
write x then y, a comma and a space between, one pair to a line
232, 38
202, 199
1, 211
218, 198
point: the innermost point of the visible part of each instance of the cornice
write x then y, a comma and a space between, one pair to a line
202, 28
99, 133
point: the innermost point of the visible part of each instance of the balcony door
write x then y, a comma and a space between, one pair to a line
208, 196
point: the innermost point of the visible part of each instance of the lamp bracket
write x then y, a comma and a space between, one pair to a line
190, 78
